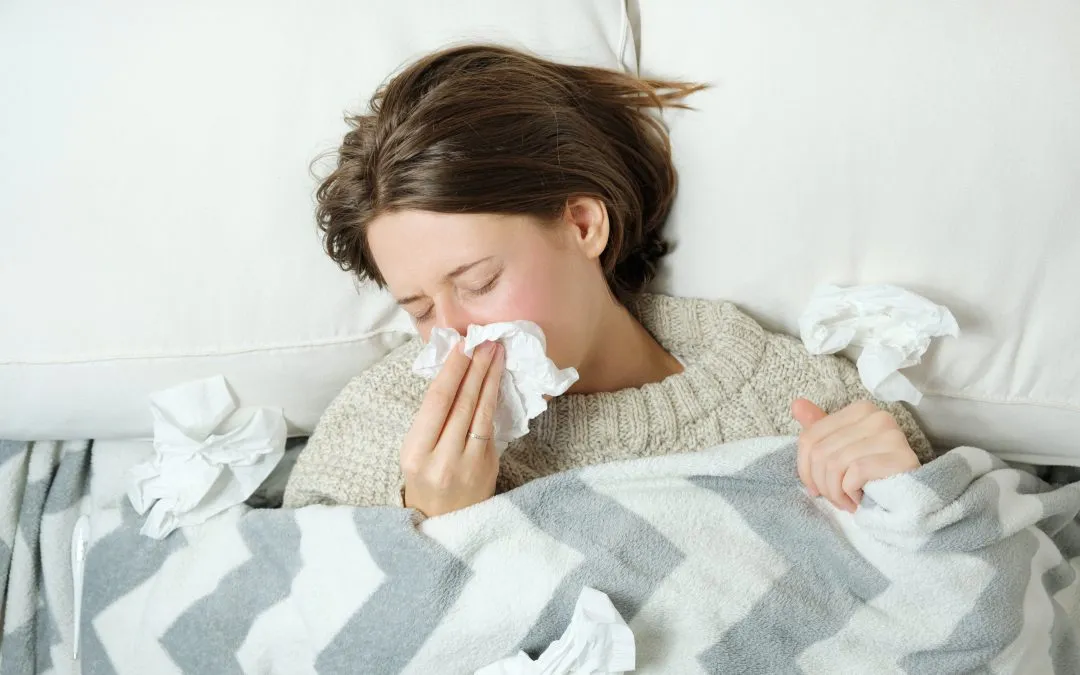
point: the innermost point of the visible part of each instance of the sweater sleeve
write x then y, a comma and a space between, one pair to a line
789, 372
353, 456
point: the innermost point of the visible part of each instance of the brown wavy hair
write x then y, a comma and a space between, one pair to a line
488, 129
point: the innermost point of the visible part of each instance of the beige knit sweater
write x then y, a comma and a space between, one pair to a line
738, 382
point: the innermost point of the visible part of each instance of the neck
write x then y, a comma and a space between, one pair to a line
623, 356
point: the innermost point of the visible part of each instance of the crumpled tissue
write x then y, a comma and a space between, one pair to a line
528, 377
892, 325
208, 455
597, 641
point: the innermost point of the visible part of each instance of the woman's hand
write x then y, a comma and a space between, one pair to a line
842, 452
449, 458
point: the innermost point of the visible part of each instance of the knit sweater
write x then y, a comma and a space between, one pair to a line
738, 382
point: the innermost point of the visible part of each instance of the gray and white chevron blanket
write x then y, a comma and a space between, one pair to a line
718, 561
43, 487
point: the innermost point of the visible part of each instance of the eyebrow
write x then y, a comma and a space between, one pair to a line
450, 276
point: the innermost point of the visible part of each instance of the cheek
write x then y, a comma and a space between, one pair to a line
522, 297
544, 302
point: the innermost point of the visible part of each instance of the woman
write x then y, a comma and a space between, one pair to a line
489, 185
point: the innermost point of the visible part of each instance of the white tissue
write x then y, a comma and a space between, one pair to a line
892, 325
208, 455
597, 641
529, 375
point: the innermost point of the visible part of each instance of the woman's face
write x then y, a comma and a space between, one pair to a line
453, 270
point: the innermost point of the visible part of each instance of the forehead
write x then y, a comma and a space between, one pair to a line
415, 246
404, 229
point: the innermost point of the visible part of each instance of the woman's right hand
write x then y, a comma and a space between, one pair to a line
449, 458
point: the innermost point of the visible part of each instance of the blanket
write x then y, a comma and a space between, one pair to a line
719, 562
42, 491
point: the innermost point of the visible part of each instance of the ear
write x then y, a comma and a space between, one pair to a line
588, 220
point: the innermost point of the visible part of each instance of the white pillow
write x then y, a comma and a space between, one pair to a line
156, 204
931, 145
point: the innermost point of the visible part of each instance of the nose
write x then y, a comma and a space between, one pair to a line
452, 315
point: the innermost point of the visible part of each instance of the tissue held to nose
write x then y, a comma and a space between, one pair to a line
528, 378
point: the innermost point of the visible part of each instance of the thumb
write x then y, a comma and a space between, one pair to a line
806, 413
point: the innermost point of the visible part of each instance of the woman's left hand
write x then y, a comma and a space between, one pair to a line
842, 452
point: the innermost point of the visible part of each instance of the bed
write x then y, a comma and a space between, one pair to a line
933, 148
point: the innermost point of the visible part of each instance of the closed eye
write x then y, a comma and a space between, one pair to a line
486, 288
425, 316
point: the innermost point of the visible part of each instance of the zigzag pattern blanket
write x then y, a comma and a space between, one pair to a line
718, 561
42, 489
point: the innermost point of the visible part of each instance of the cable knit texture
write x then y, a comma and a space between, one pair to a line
738, 382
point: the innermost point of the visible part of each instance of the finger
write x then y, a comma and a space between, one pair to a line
440, 396
856, 496
867, 460
483, 422
835, 472
802, 465
819, 474
874, 424
883, 456
841, 418
826, 470
806, 413
857, 475
460, 419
